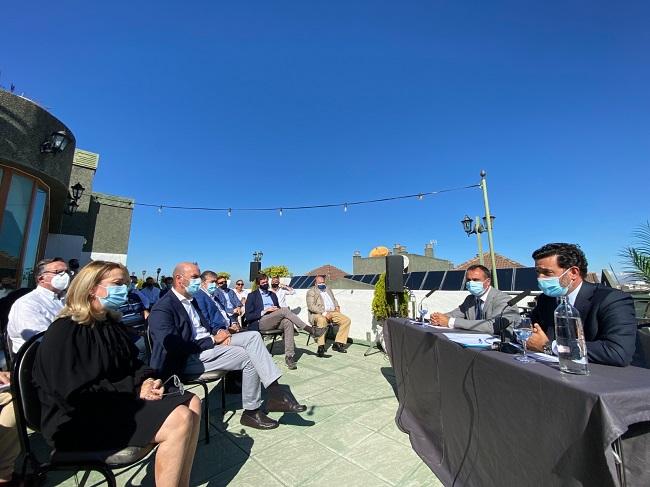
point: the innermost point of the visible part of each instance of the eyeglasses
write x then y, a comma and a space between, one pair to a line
58, 273
221, 283
177, 384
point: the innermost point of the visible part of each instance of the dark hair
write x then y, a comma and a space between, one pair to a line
486, 271
208, 274
40, 266
260, 277
568, 255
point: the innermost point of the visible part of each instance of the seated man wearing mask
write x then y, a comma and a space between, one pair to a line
151, 291
35, 311
607, 314
263, 313
324, 309
184, 342
481, 310
228, 300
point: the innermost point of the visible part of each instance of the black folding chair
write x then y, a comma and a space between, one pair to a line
203, 380
28, 415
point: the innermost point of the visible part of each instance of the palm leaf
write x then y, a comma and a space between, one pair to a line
637, 258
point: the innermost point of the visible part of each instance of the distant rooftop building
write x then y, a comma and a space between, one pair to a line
501, 261
331, 273
417, 263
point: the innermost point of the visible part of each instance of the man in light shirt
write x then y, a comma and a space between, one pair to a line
324, 309
35, 311
151, 292
281, 291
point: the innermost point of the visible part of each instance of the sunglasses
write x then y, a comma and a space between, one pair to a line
177, 384
240, 283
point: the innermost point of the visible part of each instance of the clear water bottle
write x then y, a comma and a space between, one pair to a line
570, 337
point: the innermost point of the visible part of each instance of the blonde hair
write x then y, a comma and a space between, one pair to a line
78, 300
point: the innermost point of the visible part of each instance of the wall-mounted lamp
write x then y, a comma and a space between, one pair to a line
56, 142
73, 199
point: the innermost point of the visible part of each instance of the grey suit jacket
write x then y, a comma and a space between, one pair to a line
495, 303
315, 305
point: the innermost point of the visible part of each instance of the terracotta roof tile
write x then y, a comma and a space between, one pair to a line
501, 261
329, 271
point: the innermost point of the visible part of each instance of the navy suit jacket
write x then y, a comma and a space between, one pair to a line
254, 308
234, 300
171, 335
608, 320
210, 311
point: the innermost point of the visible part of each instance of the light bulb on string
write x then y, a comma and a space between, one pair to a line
160, 210
280, 211
345, 207
420, 197
229, 211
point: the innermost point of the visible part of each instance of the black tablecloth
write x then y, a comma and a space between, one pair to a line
481, 418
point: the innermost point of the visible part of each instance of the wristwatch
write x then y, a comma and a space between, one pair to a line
548, 349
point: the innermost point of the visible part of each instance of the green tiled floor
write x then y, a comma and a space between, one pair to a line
346, 437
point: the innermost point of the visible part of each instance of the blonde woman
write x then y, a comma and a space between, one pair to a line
96, 394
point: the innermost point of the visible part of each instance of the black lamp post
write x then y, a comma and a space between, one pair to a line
158, 274
77, 191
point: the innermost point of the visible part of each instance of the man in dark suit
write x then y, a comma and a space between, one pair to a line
607, 314
228, 300
263, 313
185, 343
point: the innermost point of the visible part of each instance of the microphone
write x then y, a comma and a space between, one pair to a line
518, 298
422, 300
511, 302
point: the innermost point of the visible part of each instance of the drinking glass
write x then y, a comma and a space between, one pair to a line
423, 311
523, 330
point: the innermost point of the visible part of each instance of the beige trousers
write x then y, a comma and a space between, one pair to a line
9, 444
338, 319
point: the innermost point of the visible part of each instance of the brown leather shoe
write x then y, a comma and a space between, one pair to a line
258, 420
291, 362
283, 402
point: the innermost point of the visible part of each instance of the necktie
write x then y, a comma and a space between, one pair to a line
479, 309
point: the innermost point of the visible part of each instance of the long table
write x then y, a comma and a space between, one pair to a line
481, 418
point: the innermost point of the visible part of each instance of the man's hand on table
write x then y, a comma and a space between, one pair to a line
439, 319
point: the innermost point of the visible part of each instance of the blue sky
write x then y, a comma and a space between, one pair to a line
286, 103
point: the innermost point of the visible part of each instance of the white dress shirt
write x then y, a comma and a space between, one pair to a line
241, 295
198, 330
327, 301
282, 294
32, 314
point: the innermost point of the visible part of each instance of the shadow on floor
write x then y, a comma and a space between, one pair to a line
389, 375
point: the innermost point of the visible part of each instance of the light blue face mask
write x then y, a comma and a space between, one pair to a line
322, 287
116, 296
475, 287
194, 286
212, 287
551, 286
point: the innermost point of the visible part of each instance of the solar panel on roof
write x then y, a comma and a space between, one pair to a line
505, 279
299, 281
375, 278
358, 277
525, 278
433, 280
294, 279
414, 280
367, 278
453, 281
309, 282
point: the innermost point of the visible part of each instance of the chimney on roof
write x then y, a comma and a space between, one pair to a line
428, 250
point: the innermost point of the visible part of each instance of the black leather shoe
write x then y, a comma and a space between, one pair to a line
339, 347
258, 420
283, 402
291, 363
321, 351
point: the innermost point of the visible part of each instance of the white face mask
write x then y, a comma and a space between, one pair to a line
60, 281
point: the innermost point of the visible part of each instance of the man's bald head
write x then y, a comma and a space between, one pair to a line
183, 272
